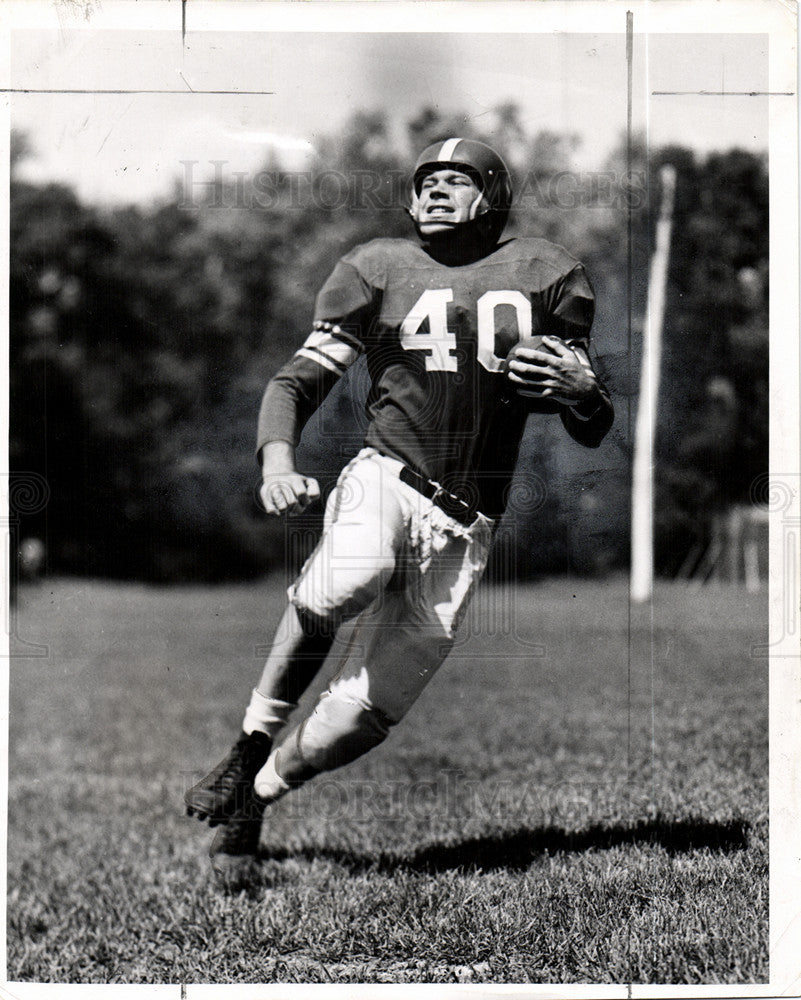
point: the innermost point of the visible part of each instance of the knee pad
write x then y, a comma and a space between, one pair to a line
344, 575
342, 595
316, 626
315, 616
339, 730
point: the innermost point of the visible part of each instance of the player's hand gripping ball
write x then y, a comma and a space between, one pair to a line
529, 386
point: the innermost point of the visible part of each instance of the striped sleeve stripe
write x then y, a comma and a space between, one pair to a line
332, 346
321, 326
321, 359
346, 338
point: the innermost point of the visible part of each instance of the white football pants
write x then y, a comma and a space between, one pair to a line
407, 570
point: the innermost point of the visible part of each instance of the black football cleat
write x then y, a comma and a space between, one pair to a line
227, 788
234, 850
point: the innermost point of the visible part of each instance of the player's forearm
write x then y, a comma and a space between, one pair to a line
280, 418
290, 398
277, 457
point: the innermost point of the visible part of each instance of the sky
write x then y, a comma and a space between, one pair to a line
131, 147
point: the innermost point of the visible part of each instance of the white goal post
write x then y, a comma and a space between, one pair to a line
642, 499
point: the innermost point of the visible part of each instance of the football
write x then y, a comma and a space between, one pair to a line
534, 403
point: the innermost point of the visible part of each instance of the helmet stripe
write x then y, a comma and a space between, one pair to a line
448, 149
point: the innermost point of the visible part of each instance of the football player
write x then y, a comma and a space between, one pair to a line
408, 528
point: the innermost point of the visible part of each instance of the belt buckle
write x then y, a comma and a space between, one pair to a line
453, 505
443, 499
439, 491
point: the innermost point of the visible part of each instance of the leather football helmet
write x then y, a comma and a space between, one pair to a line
486, 168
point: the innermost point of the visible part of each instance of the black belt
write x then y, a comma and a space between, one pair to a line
460, 510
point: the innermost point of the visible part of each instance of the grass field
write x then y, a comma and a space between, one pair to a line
548, 812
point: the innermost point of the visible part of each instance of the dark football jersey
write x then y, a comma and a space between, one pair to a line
435, 338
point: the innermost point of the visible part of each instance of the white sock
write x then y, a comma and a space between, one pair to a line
269, 784
266, 715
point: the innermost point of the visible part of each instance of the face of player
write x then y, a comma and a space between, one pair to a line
447, 198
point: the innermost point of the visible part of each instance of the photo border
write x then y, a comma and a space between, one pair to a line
603, 16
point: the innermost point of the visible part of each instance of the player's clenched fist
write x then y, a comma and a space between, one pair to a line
288, 493
284, 490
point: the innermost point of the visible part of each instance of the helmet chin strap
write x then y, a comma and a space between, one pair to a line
474, 208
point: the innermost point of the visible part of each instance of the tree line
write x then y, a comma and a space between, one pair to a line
142, 337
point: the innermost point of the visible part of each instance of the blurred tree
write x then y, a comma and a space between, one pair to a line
713, 424
141, 340
117, 350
